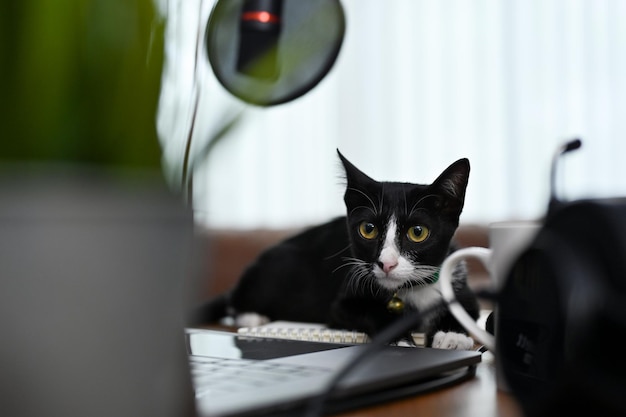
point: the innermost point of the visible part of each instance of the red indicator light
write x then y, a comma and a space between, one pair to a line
260, 16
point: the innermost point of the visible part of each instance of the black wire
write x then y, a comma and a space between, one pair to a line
380, 341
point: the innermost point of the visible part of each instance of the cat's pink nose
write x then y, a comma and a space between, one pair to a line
389, 266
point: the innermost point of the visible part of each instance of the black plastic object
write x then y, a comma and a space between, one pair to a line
259, 33
562, 314
268, 52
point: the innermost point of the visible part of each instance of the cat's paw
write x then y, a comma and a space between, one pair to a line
250, 320
452, 340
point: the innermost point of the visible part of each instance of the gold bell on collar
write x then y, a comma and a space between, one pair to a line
395, 305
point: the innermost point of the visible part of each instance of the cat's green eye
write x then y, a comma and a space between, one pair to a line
368, 230
418, 234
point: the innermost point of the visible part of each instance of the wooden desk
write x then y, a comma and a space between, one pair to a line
476, 397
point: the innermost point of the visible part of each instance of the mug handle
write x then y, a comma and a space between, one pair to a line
445, 278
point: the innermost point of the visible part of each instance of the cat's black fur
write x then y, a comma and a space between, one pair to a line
325, 274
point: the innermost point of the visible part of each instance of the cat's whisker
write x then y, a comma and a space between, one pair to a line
358, 280
354, 277
352, 261
406, 204
420, 275
359, 272
348, 264
366, 196
337, 254
412, 284
414, 208
362, 277
364, 207
369, 278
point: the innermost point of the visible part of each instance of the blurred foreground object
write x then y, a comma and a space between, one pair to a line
95, 274
561, 309
94, 249
80, 81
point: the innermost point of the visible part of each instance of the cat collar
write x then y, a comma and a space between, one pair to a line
396, 304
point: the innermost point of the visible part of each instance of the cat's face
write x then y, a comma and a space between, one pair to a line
400, 232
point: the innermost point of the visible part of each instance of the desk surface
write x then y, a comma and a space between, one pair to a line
476, 397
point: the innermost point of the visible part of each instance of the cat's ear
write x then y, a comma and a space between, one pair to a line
359, 187
354, 176
451, 186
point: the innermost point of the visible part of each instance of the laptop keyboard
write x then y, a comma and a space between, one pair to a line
221, 375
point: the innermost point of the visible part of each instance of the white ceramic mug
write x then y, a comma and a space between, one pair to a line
507, 240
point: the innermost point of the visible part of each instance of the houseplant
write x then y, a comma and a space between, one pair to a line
80, 82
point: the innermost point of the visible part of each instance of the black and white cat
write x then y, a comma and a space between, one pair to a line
362, 271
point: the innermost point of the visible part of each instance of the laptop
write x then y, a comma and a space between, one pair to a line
244, 376
94, 283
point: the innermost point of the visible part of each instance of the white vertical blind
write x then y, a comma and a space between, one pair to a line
417, 85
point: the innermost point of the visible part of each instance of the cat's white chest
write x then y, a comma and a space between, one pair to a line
422, 298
